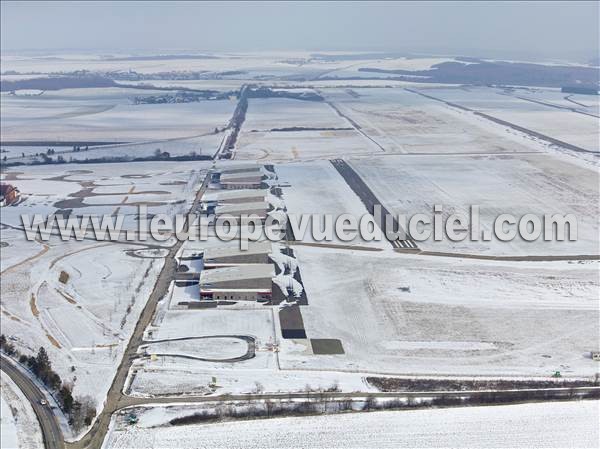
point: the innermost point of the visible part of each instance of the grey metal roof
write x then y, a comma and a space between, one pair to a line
238, 208
237, 273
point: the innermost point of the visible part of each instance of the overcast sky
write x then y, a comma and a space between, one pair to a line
510, 29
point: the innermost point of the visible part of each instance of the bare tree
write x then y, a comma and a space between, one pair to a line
269, 406
370, 403
258, 388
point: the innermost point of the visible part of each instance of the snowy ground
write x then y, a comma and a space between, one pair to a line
19, 425
205, 145
210, 348
404, 122
8, 427
15, 248
397, 313
168, 375
262, 137
508, 184
512, 106
317, 188
301, 145
266, 114
560, 425
96, 189
85, 321
107, 115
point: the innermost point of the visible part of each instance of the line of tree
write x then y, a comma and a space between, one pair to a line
80, 411
323, 402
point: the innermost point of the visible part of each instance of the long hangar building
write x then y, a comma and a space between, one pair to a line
232, 274
252, 282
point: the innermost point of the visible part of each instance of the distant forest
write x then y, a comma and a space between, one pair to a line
514, 73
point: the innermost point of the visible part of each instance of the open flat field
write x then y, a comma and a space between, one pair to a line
544, 111
286, 129
106, 115
526, 425
204, 145
267, 114
163, 187
498, 184
438, 316
401, 121
317, 188
301, 145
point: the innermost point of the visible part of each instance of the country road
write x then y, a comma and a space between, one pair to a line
536, 394
51, 432
95, 437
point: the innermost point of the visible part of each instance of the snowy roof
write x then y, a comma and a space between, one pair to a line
241, 176
241, 168
234, 250
241, 207
243, 193
237, 273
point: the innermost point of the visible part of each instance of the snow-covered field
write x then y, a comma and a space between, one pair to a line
399, 313
205, 145
562, 124
168, 375
165, 187
257, 323
14, 248
301, 145
172, 377
19, 425
84, 323
85, 320
268, 113
559, 425
8, 428
262, 136
498, 184
317, 188
107, 115
404, 122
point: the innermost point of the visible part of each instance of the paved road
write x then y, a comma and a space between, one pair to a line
370, 201
53, 438
95, 437
499, 396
